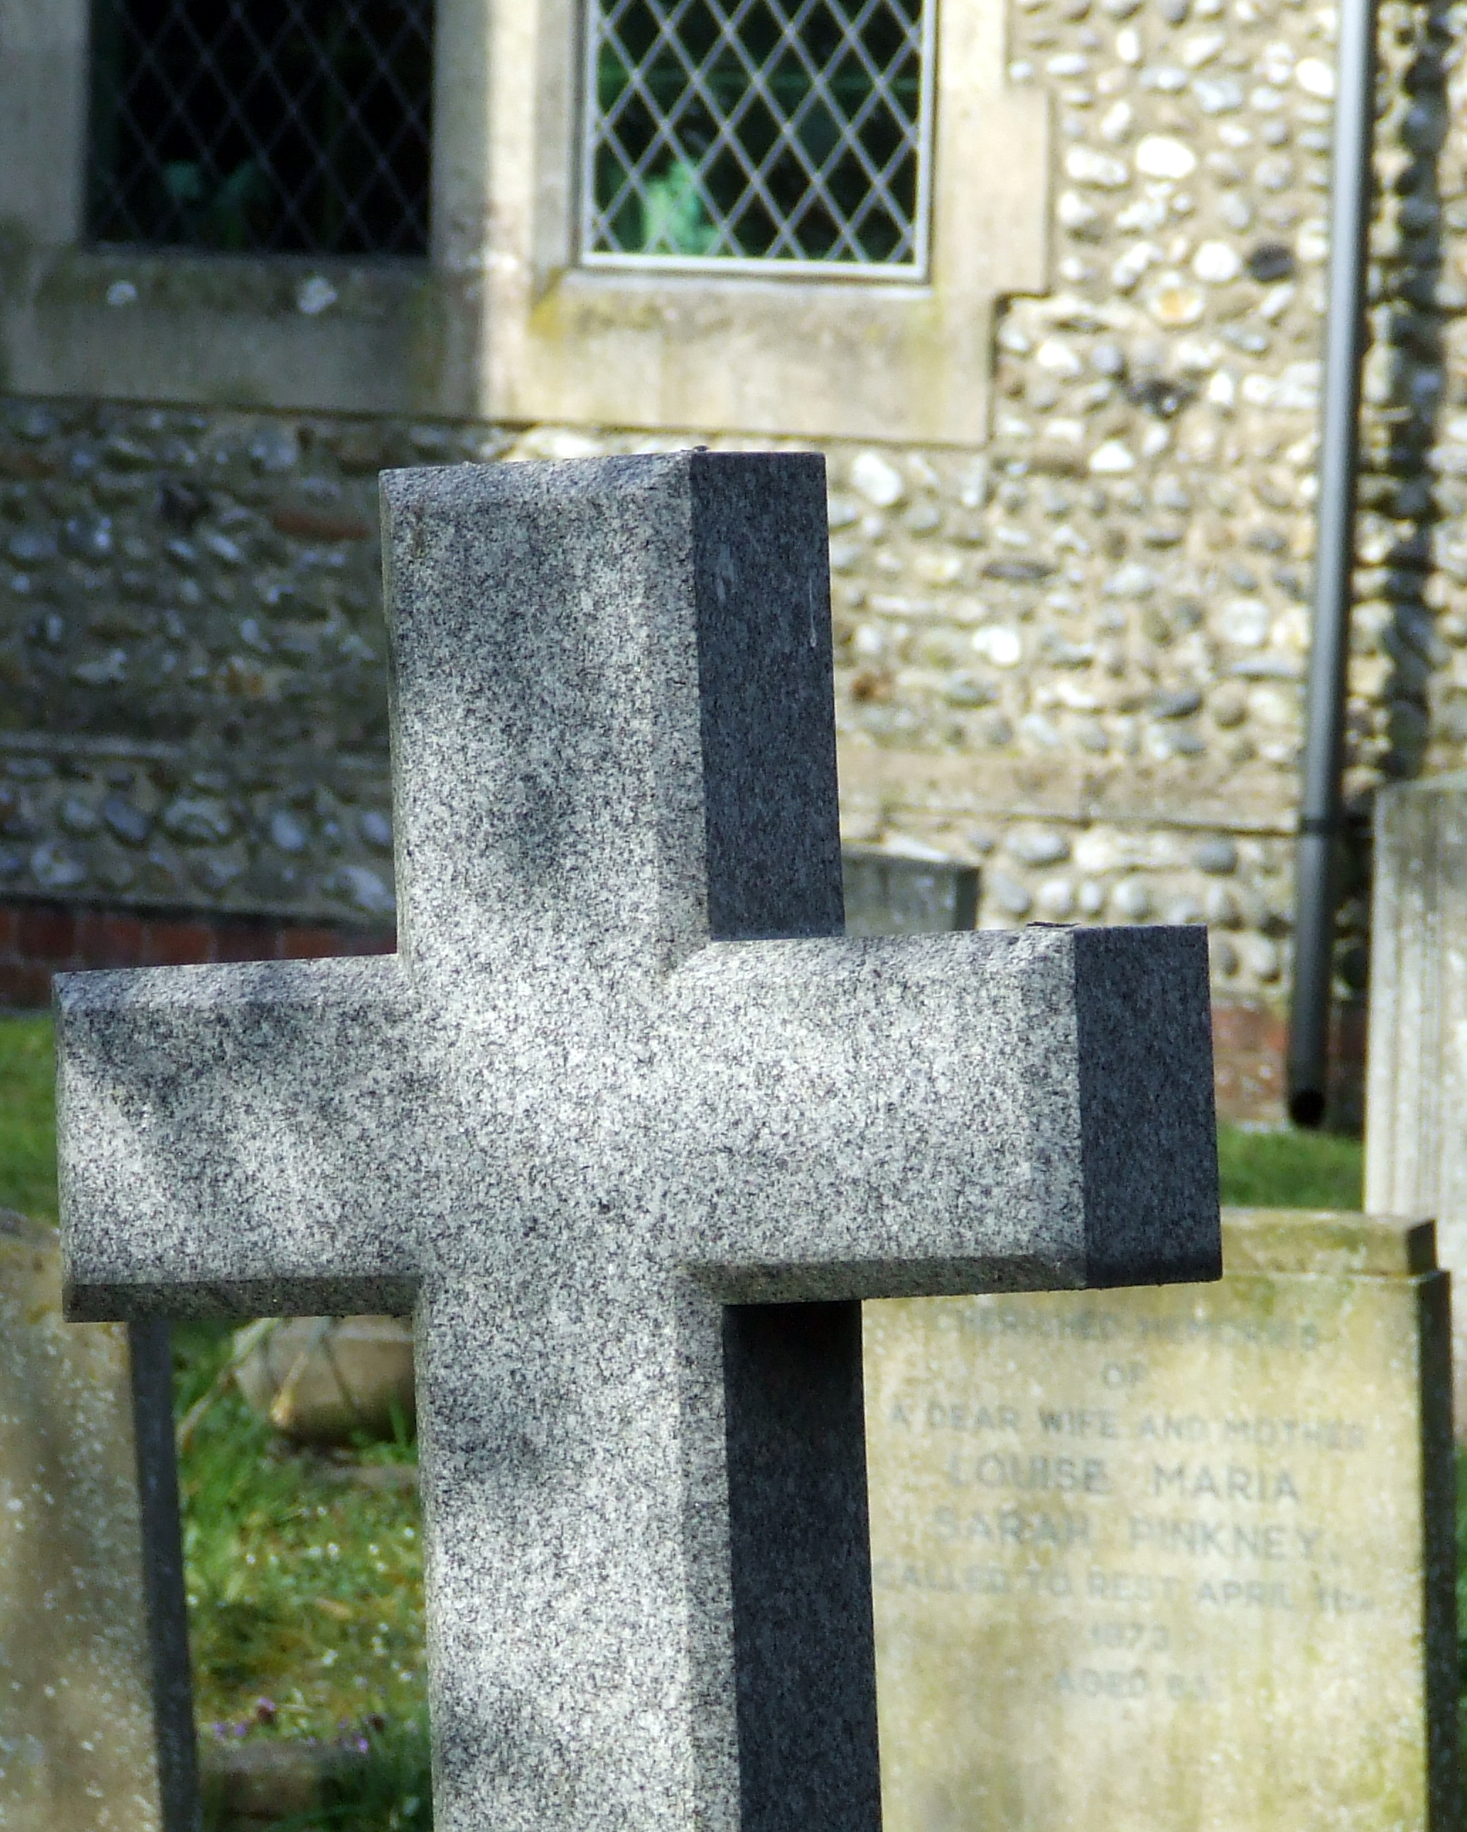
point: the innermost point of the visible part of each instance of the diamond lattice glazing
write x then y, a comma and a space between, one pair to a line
286, 125
767, 131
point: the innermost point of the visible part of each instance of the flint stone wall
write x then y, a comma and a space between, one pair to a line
194, 601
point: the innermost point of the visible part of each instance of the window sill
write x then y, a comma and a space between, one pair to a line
291, 332
812, 358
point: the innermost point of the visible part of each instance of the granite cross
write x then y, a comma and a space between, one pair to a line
634, 1128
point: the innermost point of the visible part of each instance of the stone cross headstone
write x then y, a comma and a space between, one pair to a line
96, 1719
1172, 1558
634, 1128
1416, 1074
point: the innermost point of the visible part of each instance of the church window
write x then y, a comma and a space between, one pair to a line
775, 135
275, 126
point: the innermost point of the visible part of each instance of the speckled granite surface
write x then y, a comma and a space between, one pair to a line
624, 1081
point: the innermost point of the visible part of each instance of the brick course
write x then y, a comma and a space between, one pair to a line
40, 939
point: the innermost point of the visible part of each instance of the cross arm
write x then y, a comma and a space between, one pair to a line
956, 1113
231, 1139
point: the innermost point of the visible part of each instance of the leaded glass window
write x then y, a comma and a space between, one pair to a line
271, 125
772, 134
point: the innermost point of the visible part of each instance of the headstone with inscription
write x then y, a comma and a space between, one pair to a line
1172, 1558
96, 1731
635, 1129
1416, 1080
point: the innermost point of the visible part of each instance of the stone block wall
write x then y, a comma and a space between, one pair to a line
193, 721
192, 699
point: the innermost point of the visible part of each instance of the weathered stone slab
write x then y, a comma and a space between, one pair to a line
1176, 1558
80, 1628
1416, 1079
324, 1380
248, 1787
887, 894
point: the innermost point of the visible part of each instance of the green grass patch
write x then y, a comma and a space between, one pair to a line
305, 1588
305, 1596
28, 1117
1289, 1169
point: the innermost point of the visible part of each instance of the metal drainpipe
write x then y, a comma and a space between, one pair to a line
1329, 653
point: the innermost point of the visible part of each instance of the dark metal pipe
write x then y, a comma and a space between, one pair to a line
1329, 652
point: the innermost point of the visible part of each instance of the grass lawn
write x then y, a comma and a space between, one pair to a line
305, 1590
305, 1599
27, 1117
1289, 1170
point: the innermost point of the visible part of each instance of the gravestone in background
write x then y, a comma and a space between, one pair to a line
1173, 1558
634, 1158
96, 1731
889, 894
328, 1380
1416, 1076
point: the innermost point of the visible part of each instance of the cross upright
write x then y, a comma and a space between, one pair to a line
633, 1129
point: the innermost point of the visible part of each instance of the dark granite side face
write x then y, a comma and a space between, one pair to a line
1140, 1037
761, 575
800, 1555
589, 1140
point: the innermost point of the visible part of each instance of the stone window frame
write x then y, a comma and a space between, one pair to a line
842, 357
501, 322
286, 332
